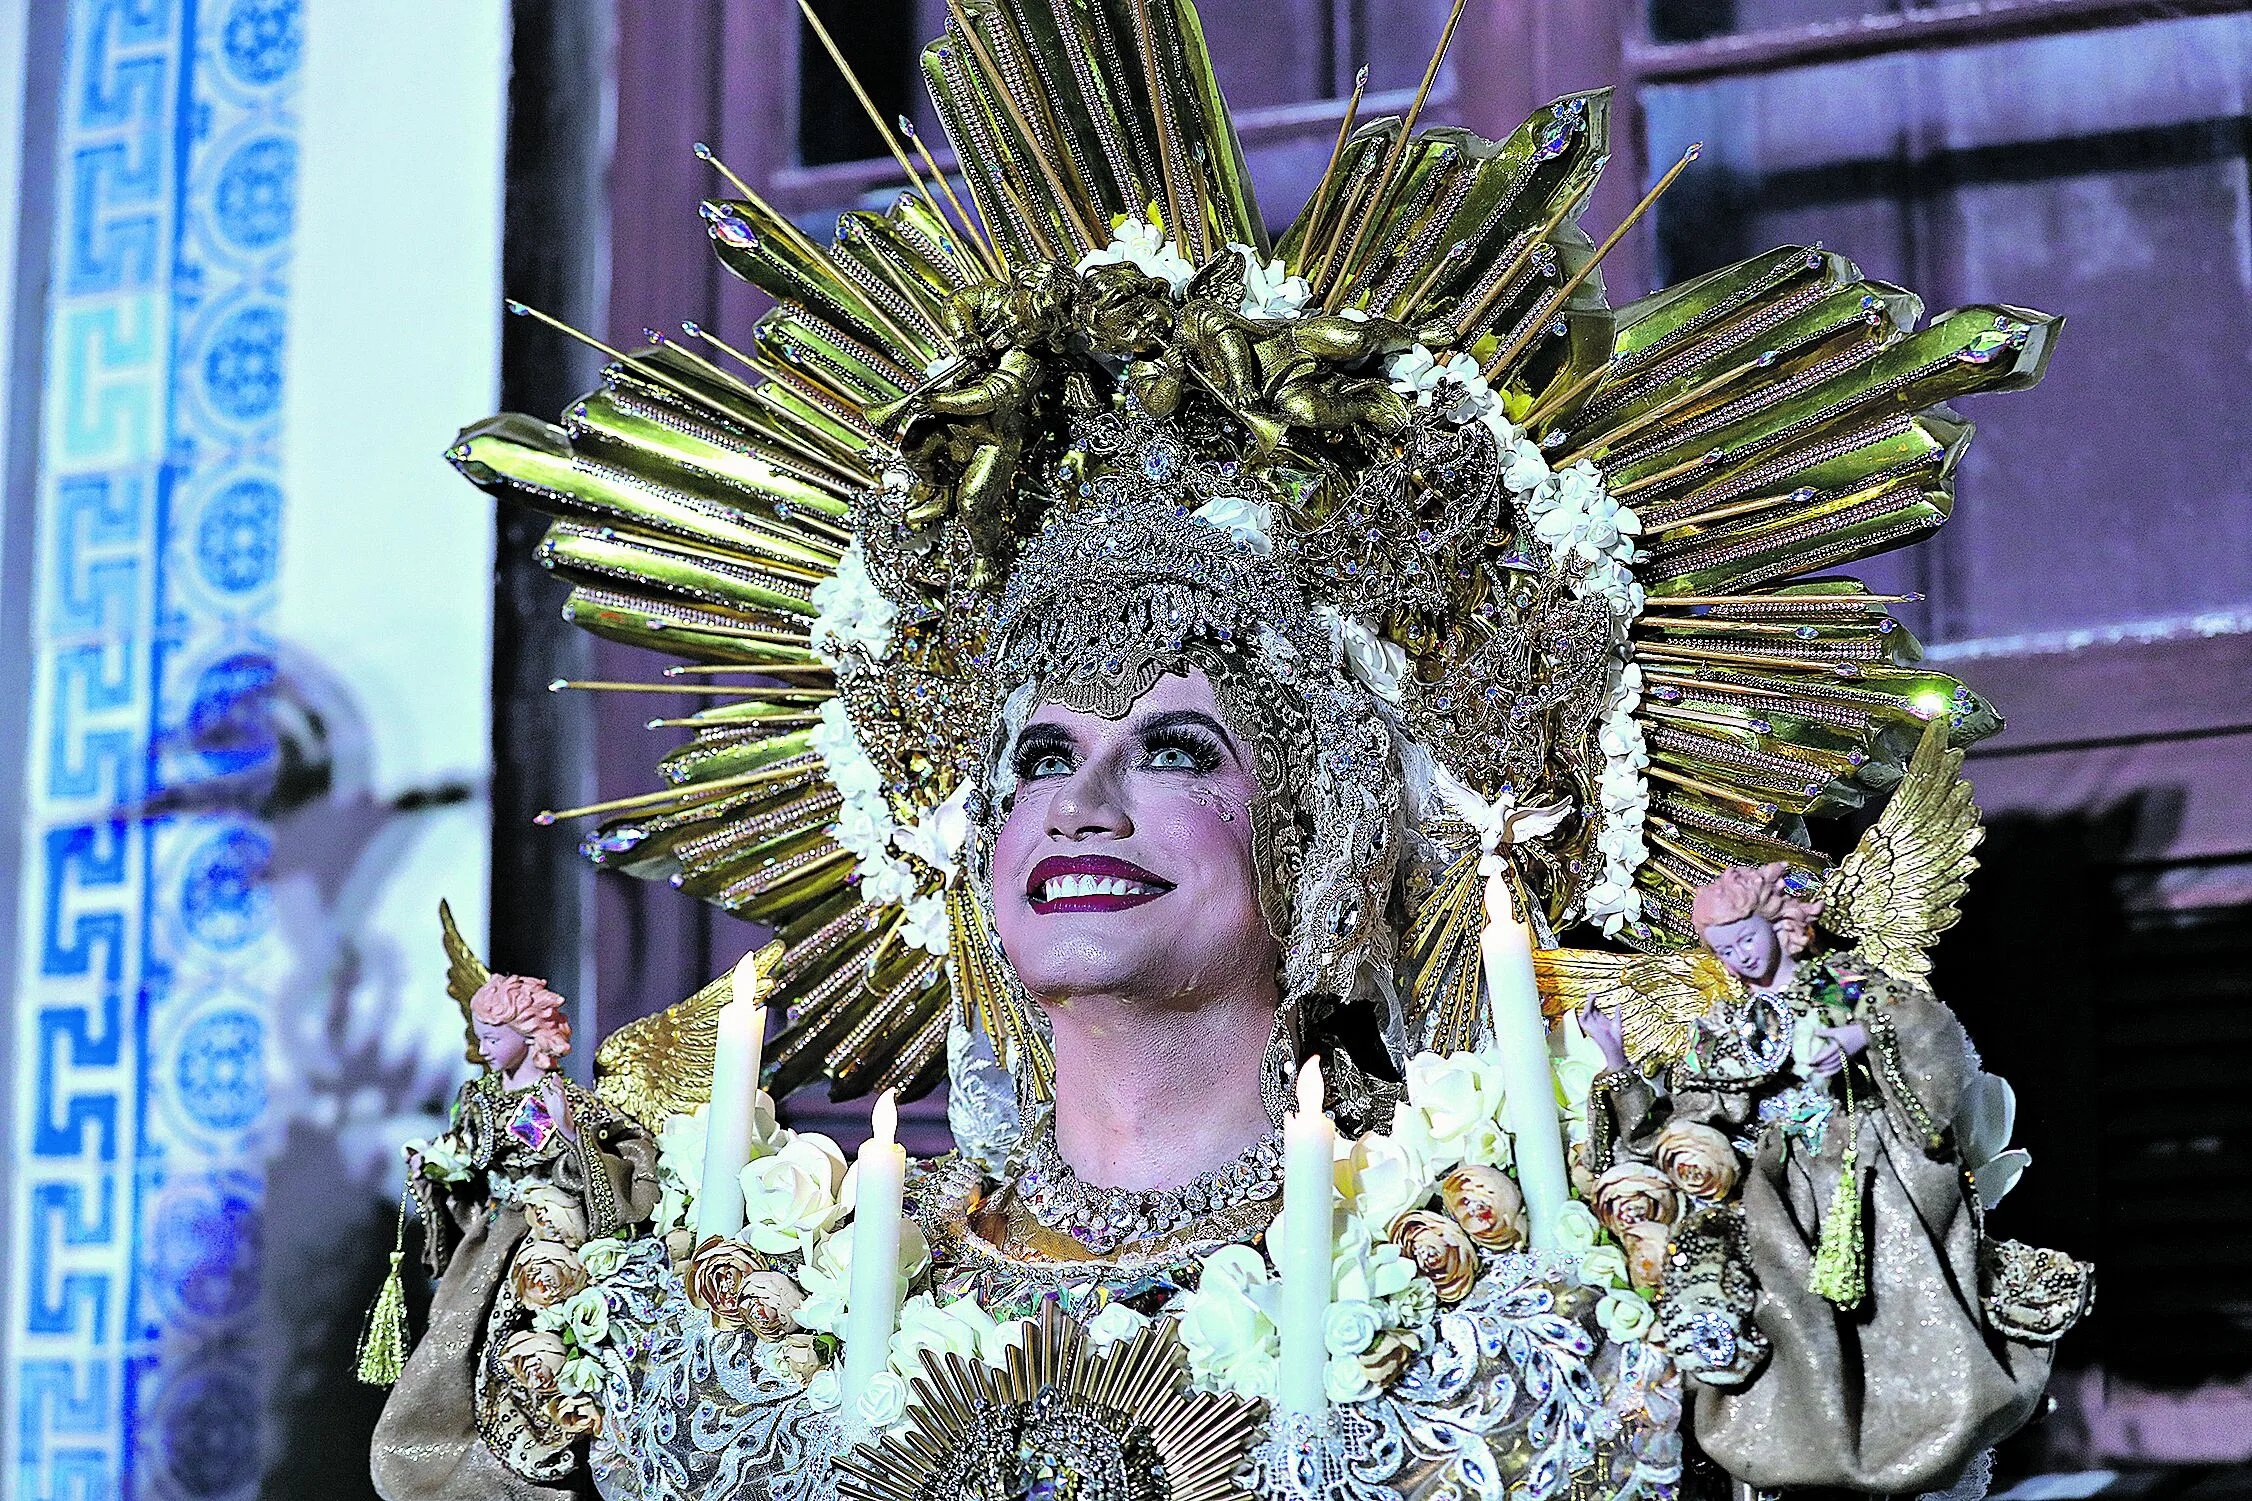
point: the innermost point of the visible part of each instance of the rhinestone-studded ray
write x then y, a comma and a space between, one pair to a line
930, 393
1120, 1422
1768, 422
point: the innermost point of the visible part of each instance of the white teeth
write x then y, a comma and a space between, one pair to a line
1085, 885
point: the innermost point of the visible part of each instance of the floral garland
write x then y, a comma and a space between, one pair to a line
1589, 532
855, 618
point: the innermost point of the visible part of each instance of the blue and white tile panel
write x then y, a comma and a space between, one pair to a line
145, 978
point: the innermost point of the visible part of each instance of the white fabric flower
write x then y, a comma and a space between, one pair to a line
926, 925
1270, 292
1525, 467
1114, 1323
580, 1374
440, 1161
1379, 664
1985, 1119
852, 611
1577, 1231
1246, 520
1141, 244
602, 1257
826, 1276
587, 1317
1382, 1178
1350, 1327
1604, 1267
793, 1195
883, 1401
1458, 1097
1624, 1314
1227, 1326
938, 836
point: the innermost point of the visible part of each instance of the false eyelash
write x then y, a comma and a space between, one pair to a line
1200, 747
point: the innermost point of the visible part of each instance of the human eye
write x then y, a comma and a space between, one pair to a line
1179, 748
1040, 757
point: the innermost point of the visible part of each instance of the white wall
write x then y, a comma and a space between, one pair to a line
385, 601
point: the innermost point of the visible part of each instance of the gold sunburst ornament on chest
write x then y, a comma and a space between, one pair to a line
1064, 1422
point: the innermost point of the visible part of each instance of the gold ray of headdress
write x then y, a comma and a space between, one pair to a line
1420, 384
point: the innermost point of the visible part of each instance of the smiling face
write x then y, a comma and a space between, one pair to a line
1125, 865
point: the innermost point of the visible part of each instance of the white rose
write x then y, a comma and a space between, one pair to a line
1350, 1327
792, 1196
1605, 1266
1345, 1379
826, 1276
923, 1325
1232, 1342
1576, 1229
1114, 1323
1383, 1178
580, 1374
1624, 1315
884, 1402
587, 1316
1459, 1097
602, 1257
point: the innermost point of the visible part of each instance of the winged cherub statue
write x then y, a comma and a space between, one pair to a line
1829, 1138
530, 1168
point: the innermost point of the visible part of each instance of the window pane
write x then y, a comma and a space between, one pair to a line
882, 42
2099, 176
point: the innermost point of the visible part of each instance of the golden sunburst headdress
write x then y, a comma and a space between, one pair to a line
1573, 557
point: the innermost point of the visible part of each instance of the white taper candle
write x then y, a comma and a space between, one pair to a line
1521, 1036
872, 1293
1309, 1194
730, 1120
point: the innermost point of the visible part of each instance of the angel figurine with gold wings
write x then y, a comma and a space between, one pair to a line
530, 1169
1810, 1189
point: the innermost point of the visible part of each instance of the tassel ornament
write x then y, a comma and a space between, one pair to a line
1841, 1261
383, 1343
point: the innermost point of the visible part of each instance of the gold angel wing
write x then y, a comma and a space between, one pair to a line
1903, 884
1656, 997
662, 1065
465, 972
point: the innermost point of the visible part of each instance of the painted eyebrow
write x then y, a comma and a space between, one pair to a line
1166, 719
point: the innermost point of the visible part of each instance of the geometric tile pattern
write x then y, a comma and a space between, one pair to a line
145, 979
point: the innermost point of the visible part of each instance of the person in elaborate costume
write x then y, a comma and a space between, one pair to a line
1165, 674
529, 1168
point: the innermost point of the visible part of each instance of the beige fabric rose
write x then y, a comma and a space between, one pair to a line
577, 1415
1697, 1158
716, 1281
533, 1359
1440, 1249
1387, 1360
1632, 1194
545, 1273
1486, 1203
1647, 1246
769, 1302
552, 1214
801, 1357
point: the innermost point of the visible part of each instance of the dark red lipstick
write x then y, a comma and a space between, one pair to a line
1091, 883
